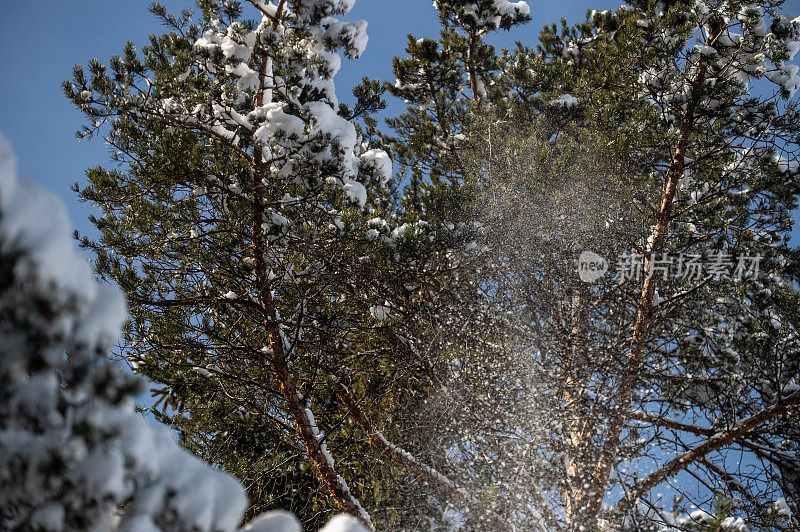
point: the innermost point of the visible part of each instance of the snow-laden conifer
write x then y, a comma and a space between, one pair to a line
275, 285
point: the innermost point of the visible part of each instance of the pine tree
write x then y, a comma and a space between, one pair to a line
647, 135
275, 284
698, 156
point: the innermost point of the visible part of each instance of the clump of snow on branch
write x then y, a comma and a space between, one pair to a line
567, 100
489, 14
290, 130
344, 523
277, 521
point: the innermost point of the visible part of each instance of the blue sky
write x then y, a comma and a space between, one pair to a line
41, 40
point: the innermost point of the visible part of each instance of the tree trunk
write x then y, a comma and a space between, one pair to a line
303, 419
631, 371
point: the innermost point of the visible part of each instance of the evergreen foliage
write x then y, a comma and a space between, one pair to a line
417, 348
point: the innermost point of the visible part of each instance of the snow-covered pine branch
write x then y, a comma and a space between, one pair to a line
73, 449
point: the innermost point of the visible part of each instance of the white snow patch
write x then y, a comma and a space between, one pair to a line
344, 523
275, 521
567, 100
